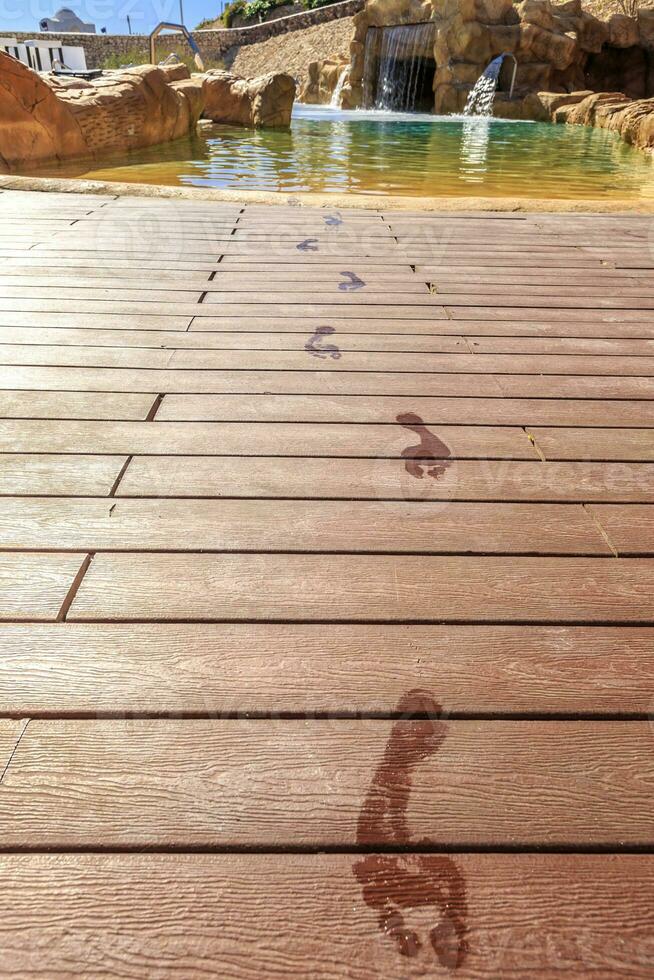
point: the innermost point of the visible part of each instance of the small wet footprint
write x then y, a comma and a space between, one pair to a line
353, 282
308, 245
429, 447
315, 346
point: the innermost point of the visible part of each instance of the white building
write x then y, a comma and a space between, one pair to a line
44, 55
66, 21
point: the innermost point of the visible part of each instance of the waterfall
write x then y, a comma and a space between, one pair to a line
397, 61
338, 91
481, 98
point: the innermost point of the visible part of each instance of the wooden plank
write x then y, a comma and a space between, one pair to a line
291, 525
629, 529
72, 356
315, 783
151, 915
257, 439
460, 410
373, 588
327, 309
83, 279
357, 361
55, 293
269, 476
232, 340
246, 669
561, 345
53, 475
95, 321
563, 314
34, 586
412, 384
618, 444
74, 404
51, 377
131, 276
301, 296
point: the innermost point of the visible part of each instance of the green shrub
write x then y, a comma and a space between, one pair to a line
314, 4
232, 10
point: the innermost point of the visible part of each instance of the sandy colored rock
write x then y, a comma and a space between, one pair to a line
623, 31
260, 102
132, 108
633, 120
35, 126
322, 79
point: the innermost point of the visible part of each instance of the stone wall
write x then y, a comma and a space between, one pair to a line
213, 44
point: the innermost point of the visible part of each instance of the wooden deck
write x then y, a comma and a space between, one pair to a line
327, 586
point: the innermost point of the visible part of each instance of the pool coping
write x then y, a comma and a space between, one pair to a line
376, 202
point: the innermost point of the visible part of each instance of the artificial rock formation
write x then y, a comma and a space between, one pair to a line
260, 102
49, 118
322, 79
52, 118
559, 48
632, 119
135, 107
34, 125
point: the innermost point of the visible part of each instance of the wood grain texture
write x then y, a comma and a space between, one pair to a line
320, 478
573, 443
395, 361
629, 528
10, 732
292, 525
74, 405
304, 783
50, 474
434, 411
33, 585
375, 588
316, 382
254, 439
185, 916
271, 669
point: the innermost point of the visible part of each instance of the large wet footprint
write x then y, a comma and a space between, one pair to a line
400, 888
429, 447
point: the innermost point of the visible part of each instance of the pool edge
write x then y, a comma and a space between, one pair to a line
69, 185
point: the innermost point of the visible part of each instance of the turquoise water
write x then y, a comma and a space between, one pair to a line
384, 153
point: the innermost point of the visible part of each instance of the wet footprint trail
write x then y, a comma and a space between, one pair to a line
395, 885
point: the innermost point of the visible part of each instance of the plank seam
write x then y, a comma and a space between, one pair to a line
600, 527
121, 474
14, 750
72, 592
532, 440
154, 408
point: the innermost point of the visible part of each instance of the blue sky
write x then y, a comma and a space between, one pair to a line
24, 15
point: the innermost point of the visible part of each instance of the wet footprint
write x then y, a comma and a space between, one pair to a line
354, 282
308, 245
401, 888
315, 346
333, 220
429, 447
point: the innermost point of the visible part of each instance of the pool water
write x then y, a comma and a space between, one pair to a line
328, 150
